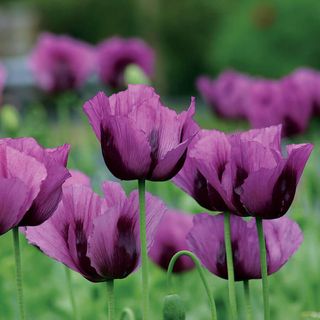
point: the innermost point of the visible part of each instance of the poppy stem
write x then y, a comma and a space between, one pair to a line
264, 270
16, 246
230, 268
143, 243
201, 274
111, 307
127, 313
246, 289
71, 295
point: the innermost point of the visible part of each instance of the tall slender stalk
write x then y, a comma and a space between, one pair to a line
230, 268
71, 295
247, 299
16, 246
201, 274
264, 270
144, 254
111, 306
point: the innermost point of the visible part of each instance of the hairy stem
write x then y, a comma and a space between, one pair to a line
16, 246
144, 254
201, 274
231, 282
264, 269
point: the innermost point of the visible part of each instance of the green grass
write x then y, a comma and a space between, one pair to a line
293, 290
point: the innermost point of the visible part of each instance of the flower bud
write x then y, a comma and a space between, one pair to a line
173, 308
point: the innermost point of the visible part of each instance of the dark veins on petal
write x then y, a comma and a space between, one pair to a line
154, 144
112, 157
239, 272
126, 254
241, 175
81, 246
284, 191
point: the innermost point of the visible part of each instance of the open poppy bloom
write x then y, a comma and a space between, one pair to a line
31, 181
140, 138
61, 63
171, 238
226, 94
244, 173
115, 54
97, 237
206, 239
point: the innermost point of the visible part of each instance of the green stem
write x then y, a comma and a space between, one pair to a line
264, 270
127, 313
201, 274
15, 234
71, 295
111, 307
246, 289
144, 254
231, 282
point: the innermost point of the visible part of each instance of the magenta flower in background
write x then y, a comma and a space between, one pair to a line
171, 238
265, 103
308, 81
298, 106
244, 173
115, 54
140, 138
226, 94
61, 63
206, 239
31, 179
97, 237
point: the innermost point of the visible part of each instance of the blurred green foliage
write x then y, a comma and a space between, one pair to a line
294, 289
264, 37
268, 38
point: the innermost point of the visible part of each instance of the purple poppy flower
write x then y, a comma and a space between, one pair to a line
31, 179
97, 237
298, 106
308, 80
244, 173
226, 94
265, 103
115, 54
61, 63
171, 238
206, 239
140, 138
54, 161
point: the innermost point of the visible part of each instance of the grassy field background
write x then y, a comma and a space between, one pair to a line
294, 289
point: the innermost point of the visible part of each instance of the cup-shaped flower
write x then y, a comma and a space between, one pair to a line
265, 103
244, 173
61, 63
97, 237
308, 80
140, 138
171, 238
206, 239
115, 54
31, 181
227, 94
